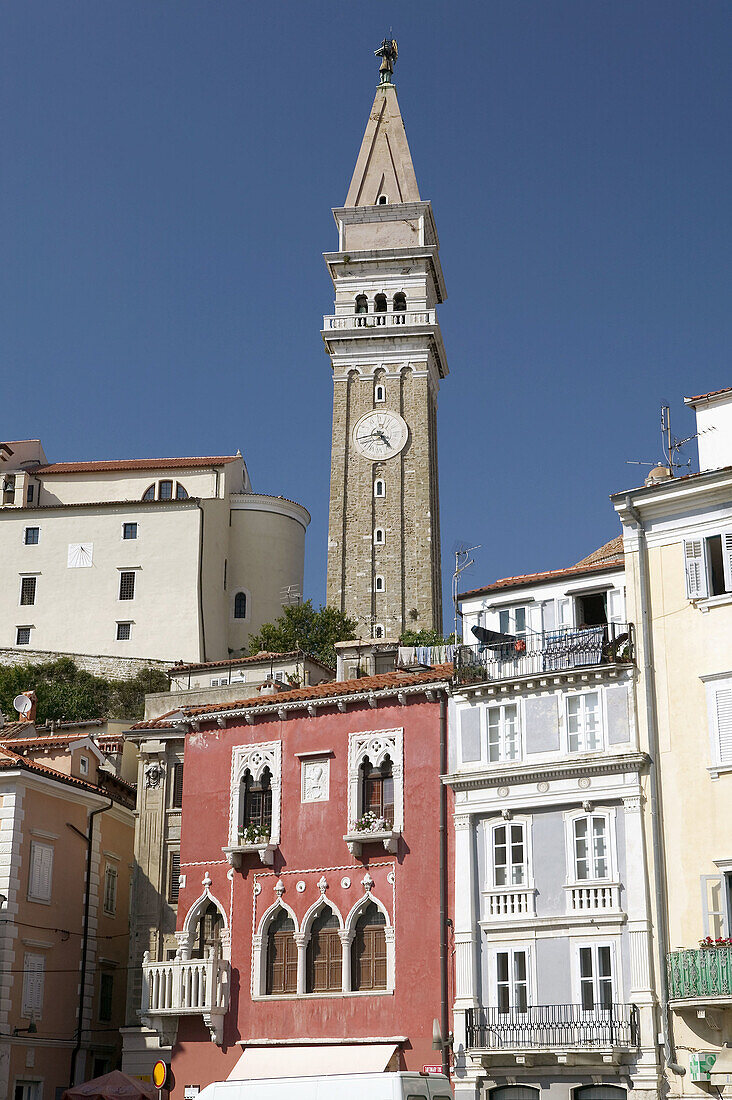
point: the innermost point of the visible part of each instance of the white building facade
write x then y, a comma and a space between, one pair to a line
553, 979
147, 559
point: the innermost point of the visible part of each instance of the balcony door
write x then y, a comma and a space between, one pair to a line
512, 981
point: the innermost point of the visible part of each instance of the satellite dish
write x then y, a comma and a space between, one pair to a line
22, 704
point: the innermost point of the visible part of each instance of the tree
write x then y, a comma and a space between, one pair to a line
302, 627
65, 691
425, 637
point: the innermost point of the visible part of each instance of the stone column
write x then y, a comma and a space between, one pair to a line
467, 934
346, 941
301, 940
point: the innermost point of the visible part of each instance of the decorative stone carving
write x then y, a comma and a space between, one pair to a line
367, 882
300, 886
346, 882
154, 774
315, 780
323, 885
390, 878
279, 888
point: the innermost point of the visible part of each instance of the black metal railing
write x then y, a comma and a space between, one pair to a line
552, 1026
550, 651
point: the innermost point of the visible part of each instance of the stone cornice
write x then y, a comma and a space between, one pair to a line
503, 775
677, 494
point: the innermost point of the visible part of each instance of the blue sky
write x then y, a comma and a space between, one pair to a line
167, 176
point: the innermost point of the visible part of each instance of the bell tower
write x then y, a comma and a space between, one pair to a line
388, 358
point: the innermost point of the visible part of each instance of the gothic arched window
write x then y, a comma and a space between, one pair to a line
281, 955
240, 605
377, 789
255, 801
324, 954
208, 932
368, 953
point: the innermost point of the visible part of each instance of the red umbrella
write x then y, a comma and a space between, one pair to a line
112, 1086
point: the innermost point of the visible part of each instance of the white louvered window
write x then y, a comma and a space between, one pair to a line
34, 967
110, 890
41, 871
720, 705
708, 565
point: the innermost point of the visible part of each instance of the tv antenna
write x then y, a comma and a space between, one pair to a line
290, 595
670, 446
463, 561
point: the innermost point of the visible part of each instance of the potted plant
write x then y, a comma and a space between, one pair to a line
371, 823
253, 834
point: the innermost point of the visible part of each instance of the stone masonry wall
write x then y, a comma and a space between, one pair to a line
112, 668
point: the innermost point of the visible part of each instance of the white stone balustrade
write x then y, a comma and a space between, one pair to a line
380, 320
584, 899
504, 904
187, 987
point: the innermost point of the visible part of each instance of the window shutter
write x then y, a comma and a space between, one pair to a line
615, 606
39, 885
712, 891
723, 716
727, 559
177, 786
174, 884
696, 568
564, 616
33, 978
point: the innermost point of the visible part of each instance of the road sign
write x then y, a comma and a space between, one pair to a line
431, 1069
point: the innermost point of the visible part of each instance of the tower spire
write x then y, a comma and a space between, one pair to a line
384, 171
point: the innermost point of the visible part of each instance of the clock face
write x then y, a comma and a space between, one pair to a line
380, 435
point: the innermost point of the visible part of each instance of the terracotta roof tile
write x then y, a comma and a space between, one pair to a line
10, 760
258, 658
133, 464
611, 551
713, 393
332, 689
536, 578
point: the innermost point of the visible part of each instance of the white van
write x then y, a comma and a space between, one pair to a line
337, 1086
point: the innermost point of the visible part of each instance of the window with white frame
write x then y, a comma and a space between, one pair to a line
110, 889
31, 536
514, 620
28, 1090
124, 631
719, 711
379, 583
509, 854
40, 872
595, 969
584, 722
379, 392
503, 733
83, 765
512, 980
591, 848
256, 794
708, 565
379, 488
378, 630
370, 755
23, 635
379, 536
127, 585
34, 969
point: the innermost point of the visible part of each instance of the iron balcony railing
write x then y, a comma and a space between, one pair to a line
699, 973
552, 1027
550, 651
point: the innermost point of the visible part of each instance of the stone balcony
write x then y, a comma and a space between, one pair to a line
185, 987
403, 319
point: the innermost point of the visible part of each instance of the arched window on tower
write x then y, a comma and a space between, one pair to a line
382, 200
324, 954
379, 487
240, 605
362, 308
281, 954
379, 392
368, 954
379, 585
255, 801
399, 306
380, 308
378, 631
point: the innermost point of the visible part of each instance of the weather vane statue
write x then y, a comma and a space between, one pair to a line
387, 51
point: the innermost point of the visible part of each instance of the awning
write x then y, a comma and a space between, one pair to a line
312, 1060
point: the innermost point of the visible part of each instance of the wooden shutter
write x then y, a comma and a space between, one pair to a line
727, 559
41, 868
33, 978
177, 800
281, 958
370, 958
723, 721
695, 564
110, 889
174, 884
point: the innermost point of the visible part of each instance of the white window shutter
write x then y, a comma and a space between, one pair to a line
696, 568
713, 905
727, 559
41, 871
723, 722
33, 980
564, 614
615, 606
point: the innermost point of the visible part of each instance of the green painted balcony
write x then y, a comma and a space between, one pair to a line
699, 976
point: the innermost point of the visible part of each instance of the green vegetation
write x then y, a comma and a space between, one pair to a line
303, 627
425, 637
66, 692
